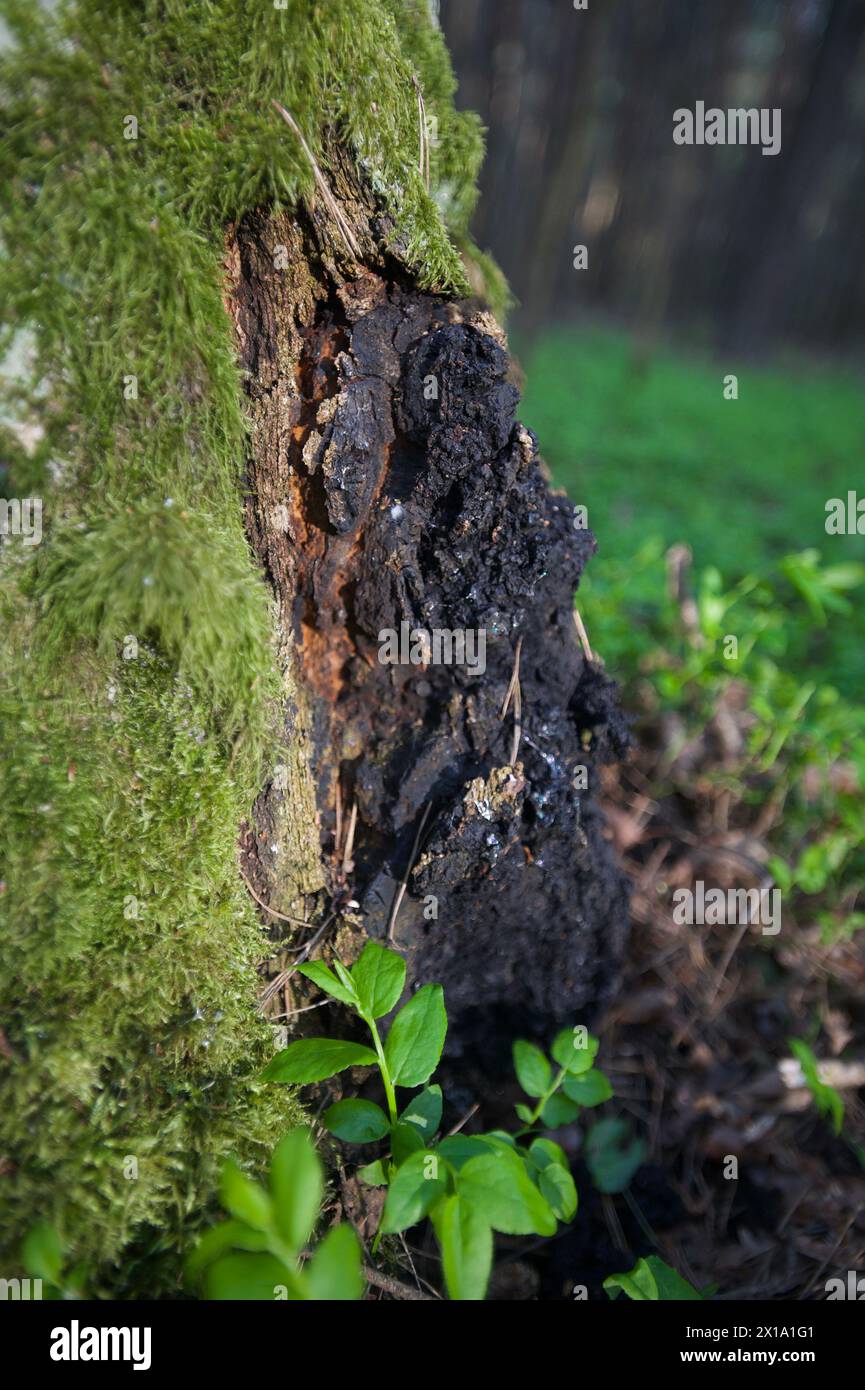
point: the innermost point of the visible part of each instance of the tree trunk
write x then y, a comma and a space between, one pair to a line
389, 483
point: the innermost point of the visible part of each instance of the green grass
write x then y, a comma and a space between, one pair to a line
658, 456
662, 452
658, 453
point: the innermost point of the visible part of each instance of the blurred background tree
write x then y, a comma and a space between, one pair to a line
742, 250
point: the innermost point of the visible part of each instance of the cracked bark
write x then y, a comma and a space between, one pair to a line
389, 482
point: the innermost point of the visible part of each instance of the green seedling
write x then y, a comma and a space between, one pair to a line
827, 1100
257, 1254
652, 1281
468, 1185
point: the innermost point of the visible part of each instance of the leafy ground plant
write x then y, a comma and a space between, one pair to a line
653, 1281
468, 1185
257, 1254
827, 1099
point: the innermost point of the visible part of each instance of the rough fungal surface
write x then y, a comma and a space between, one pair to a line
393, 484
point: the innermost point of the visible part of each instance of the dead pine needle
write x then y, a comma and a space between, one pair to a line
583, 635
337, 834
423, 135
347, 864
515, 676
394, 1287
321, 182
281, 916
275, 985
513, 692
401, 891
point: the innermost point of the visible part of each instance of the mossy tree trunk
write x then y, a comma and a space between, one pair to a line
215, 217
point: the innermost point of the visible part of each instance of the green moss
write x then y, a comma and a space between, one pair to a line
137, 676
128, 948
177, 578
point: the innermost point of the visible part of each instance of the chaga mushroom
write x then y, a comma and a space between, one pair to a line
392, 484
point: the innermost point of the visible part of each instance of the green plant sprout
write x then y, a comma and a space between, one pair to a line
613, 1154
257, 1254
827, 1100
468, 1185
653, 1281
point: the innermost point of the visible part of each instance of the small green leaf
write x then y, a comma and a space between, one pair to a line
559, 1111
344, 976
650, 1281
524, 1113
297, 1185
592, 1088
500, 1139
405, 1140
828, 1101
379, 977
613, 1154
543, 1152
245, 1199
356, 1121
248, 1277
315, 1059
534, 1072
333, 1274
497, 1187
466, 1242
373, 1174
424, 1111
227, 1235
457, 1149
416, 1038
320, 975
575, 1050
557, 1186
42, 1253
415, 1188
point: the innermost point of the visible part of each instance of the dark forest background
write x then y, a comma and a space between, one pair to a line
742, 250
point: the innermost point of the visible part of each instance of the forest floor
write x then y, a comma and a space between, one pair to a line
697, 1045
697, 1049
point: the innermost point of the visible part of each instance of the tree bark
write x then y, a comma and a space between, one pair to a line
389, 482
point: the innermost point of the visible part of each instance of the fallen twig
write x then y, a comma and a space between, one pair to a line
394, 1286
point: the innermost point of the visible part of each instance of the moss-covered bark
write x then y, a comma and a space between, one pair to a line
229, 315
147, 686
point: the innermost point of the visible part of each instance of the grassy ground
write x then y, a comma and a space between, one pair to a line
656, 453
661, 451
